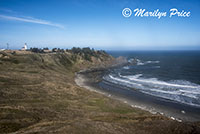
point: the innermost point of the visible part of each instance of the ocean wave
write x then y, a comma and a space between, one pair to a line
156, 67
121, 81
152, 62
139, 62
131, 60
155, 81
126, 67
178, 90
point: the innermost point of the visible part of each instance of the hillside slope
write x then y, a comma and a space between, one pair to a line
38, 95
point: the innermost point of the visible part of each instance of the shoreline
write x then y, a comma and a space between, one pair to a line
91, 80
82, 81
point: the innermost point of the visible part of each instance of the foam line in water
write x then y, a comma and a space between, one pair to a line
139, 62
153, 81
188, 94
124, 81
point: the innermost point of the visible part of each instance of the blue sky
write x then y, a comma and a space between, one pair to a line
98, 24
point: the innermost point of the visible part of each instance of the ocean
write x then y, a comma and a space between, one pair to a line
171, 75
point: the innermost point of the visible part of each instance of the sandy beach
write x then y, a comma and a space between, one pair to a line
92, 80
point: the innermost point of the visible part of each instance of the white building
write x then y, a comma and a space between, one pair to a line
24, 47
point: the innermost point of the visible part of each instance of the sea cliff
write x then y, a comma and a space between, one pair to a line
38, 95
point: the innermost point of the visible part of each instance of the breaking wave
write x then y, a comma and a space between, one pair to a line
179, 90
126, 67
139, 62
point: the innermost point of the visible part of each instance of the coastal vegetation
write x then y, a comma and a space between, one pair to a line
38, 95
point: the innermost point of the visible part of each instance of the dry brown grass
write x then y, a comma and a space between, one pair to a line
38, 95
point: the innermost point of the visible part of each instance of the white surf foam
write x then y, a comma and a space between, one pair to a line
126, 67
152, 62
139, 62
181, 91
157, 82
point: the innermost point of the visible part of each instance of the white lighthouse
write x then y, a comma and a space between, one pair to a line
24, 48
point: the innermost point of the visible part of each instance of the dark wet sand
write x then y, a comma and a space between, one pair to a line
181, 112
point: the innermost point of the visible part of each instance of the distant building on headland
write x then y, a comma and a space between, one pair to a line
24, 48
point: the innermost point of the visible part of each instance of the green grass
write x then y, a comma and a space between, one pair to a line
39, 95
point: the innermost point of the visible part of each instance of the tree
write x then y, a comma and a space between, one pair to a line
46, 48
54, 50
